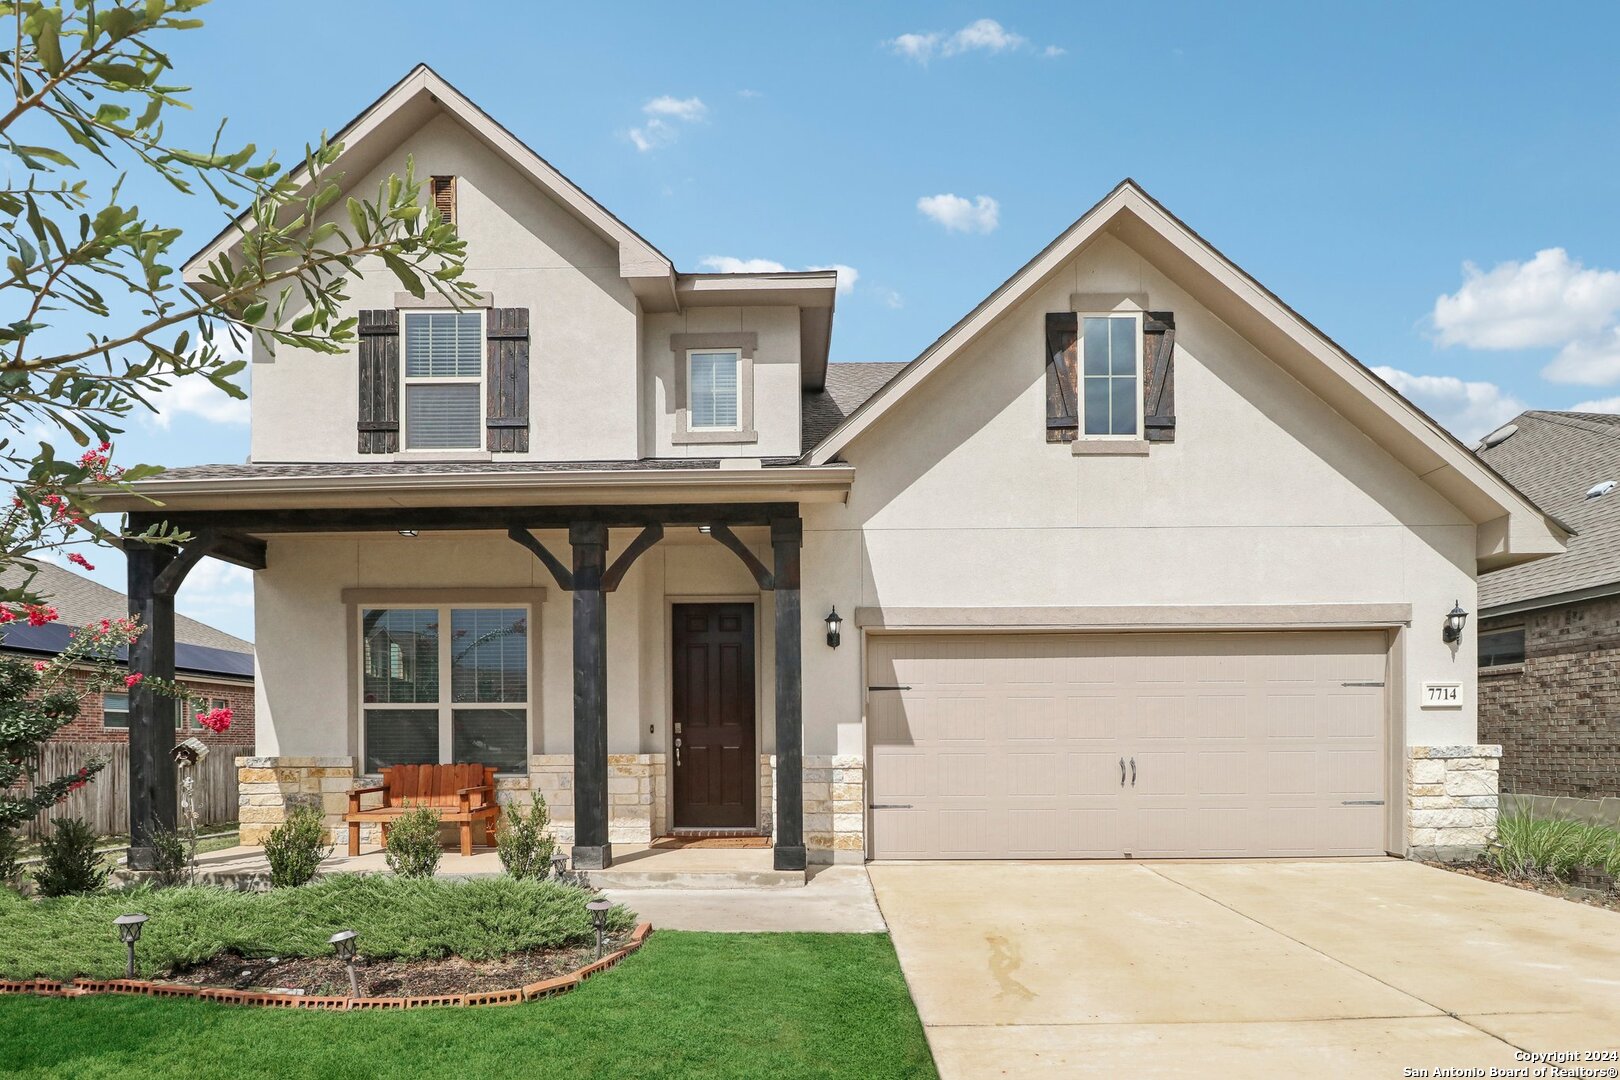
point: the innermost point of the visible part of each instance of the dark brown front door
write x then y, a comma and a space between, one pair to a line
715, 763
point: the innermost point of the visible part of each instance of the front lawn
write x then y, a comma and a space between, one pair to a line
824, 1006
395, 918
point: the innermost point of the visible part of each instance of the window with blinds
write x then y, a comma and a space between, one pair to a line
713, 389
444, 379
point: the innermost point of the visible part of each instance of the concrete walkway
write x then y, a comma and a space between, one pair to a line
1311, 968
834, 900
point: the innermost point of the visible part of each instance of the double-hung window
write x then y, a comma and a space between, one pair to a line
115, 711
1502, 647
445, 684
714, 389
444, 380
1111, 376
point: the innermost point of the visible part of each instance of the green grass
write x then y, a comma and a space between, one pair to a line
1555, 847
395, 917
711, 1006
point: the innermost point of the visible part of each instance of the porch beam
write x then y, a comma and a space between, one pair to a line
648, 536
461, 518
787, 542
728, 539
592, 851
245, 551
559, 572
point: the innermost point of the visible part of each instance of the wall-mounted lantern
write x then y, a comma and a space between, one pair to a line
1455, 621
835, 627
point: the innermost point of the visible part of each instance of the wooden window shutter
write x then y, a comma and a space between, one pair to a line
444, 197
1159, 376
1062, 364
379, 381
506, 415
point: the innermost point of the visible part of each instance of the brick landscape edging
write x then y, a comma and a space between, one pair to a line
544, 988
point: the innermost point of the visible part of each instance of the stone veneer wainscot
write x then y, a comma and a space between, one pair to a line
1451, 800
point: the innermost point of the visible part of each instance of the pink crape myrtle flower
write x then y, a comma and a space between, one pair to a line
131, 681
40, 665
215, 720
79, 560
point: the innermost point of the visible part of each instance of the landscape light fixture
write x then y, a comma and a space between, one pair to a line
559, 865
342, 943
1455, 621
599, 910
407, 532
835, 628
129, 932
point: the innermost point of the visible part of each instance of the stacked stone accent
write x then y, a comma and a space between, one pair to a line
637, 795
1451, 800
552, 775
269, 788
835, 809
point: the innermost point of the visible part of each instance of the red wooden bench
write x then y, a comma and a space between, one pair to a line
462, 794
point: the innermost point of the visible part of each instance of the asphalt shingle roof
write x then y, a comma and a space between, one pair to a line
1555, 458
848, 387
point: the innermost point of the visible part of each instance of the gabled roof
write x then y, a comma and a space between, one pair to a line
1556, 458
1512, 528
199, 648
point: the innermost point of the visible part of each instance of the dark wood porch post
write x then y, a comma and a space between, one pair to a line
787, 539
152, 799
591, 848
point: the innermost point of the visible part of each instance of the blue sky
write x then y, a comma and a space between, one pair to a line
1437, 193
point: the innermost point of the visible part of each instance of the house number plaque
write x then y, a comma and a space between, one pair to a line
1442, 695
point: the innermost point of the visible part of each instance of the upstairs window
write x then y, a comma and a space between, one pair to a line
444, 380
1110, 373
1500, 648
444, 198
715, 389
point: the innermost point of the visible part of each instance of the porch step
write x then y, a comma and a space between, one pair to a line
633, 877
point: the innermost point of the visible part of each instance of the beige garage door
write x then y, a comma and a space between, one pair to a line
1040, 746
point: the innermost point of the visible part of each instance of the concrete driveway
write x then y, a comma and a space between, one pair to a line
1311, 968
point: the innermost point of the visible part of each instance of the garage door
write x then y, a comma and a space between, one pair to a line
1044, 746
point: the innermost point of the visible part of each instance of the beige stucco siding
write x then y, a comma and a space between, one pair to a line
1267, 496
526, 251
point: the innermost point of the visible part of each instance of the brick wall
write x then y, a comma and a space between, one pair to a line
88, 726
1557, 716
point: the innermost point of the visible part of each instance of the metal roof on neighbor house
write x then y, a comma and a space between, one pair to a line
1555, 458
199, 649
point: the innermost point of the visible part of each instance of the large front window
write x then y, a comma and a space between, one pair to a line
444, 380
412, 714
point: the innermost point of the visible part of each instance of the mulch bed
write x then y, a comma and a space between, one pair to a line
1541, 883
326, 975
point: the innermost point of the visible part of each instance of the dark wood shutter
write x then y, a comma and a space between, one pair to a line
444, 197
1159, 376
379, 381
1062, 364
506, 414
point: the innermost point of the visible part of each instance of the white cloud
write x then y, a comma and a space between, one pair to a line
981, 35
1469, 410
193, 395
1593, 362
981, 214
1054, 51
665, 115
1606, 405
892, 299
1550, 300
728, 264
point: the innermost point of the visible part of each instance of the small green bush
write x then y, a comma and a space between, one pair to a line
294, 848
10, 857
170, 861
413, 843
522, 841
69, 864
1556, 847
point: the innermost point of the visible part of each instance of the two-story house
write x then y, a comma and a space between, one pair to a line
1131, 561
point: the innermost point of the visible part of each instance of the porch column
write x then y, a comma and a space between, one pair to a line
153, 806
591, 848
787, 538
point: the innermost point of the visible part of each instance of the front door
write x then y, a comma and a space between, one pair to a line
716, 767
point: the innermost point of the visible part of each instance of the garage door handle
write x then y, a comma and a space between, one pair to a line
891, 806
1121, 772
1133, 772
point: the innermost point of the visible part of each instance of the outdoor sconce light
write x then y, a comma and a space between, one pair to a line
1455, 621
129, 932
342, 943
835, 627
599, 910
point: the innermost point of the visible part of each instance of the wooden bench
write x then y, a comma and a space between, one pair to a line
462, 794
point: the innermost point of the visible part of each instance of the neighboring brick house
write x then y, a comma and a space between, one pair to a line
1549, 631
216, 665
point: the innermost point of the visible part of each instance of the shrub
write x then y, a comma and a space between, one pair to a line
294, 848
69, 863
522, 841
413, 843
170, 862
1556, 847
10, 857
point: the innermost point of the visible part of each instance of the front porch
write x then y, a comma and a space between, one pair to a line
685, 713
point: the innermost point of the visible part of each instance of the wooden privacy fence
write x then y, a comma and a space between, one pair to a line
104, 802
